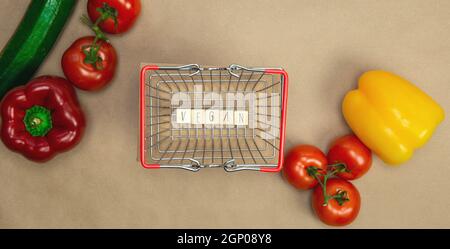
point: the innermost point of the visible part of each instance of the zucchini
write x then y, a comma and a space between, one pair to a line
32, 41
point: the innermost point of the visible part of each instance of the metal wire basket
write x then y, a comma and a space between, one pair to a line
192, 117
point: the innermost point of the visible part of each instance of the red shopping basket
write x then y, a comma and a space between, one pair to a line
194, 117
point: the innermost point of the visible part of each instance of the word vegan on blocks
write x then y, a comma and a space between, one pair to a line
215, 109
211, 117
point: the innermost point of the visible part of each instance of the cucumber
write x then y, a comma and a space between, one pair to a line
32, 41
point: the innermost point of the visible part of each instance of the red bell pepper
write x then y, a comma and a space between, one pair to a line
42, 118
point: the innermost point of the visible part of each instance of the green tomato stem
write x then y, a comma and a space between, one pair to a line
340, 196
91, 51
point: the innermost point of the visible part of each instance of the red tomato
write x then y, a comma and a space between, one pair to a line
334, 214
351, 151
298, 160
127, 13
86, 76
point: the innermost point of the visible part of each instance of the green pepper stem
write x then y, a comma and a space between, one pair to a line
38, 121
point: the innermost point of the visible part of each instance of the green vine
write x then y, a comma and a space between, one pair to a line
340, 196
91, 51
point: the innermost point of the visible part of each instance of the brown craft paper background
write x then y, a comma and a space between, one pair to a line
324, 45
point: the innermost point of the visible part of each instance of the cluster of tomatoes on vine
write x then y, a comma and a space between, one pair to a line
90, 62
335, 200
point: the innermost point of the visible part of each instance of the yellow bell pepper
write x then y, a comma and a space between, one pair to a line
390, 115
